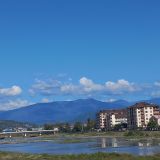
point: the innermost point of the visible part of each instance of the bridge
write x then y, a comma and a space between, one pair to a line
25, 133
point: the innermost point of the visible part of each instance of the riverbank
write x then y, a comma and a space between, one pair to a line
96, 156
109, 134
80, 137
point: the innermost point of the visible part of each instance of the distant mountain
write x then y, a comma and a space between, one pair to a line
4, 124
64, 111
155, 101
61, 111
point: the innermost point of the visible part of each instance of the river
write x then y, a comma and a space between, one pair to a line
81, 145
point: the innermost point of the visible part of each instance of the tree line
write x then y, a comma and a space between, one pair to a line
89, 126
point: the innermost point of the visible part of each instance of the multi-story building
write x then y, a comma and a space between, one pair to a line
116, 117
139, 114
107, 119
101, 119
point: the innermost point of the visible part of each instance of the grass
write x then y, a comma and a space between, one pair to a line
142, 134
125, 134
96, 156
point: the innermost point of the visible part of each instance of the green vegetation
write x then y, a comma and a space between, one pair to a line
135, 134
142, 134
120, 127
48, 127
152, 125
91, 125
65, 128
77, 127
96, 156
125, 134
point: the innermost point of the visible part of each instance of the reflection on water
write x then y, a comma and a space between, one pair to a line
103, 142
121, 145
120, 142
109, 142
90, 145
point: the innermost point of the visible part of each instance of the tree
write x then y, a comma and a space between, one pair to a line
152, 124
90, 125
78, 127
48, 127
67, 128
118, 127
63, 127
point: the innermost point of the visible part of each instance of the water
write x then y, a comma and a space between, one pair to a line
83, 145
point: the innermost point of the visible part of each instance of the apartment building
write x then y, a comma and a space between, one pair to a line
116, 117
107, 119
138, 115
101, 119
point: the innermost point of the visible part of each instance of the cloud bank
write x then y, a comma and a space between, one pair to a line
48, 89
85, 86
12, 91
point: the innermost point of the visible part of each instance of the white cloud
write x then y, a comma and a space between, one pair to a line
13, 91
69, 88
157, 84
89, 85
121, 86
48, 87
13, 104
85, 87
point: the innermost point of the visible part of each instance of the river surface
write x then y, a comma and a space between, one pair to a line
81, 145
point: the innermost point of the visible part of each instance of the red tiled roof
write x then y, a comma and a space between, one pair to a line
143, 104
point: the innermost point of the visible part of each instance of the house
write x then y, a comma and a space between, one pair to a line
138, 115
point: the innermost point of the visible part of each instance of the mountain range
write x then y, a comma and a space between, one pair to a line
64, 111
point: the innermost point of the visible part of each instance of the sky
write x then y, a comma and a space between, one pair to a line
66, 50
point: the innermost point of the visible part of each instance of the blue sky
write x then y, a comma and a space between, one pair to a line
64, 50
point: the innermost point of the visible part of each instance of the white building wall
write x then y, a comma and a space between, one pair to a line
113, 120
159, 121
138, 117
148, 113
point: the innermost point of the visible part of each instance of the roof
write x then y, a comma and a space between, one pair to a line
143, 104
115, 111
